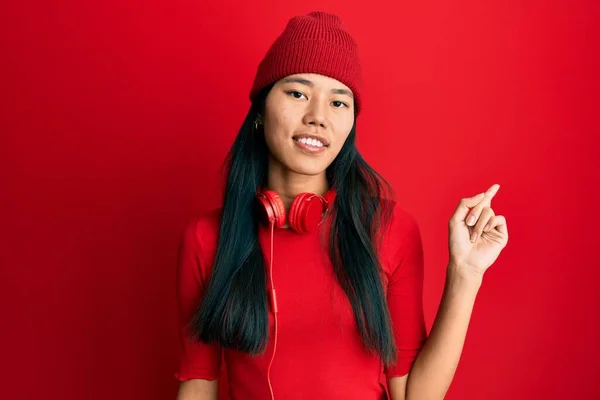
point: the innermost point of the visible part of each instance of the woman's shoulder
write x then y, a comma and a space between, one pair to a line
402, 221
401, 237
204, 229
208, 221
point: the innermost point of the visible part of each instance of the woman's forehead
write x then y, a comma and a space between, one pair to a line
312, 79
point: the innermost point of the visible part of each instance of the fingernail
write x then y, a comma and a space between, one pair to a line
471, 220
474, 237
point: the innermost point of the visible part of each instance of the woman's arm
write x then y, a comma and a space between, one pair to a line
434, 367
474, 245
199, 362
198, 389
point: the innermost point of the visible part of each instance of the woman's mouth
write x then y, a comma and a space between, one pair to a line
311, 146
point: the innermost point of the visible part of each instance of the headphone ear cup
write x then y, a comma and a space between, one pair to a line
273, 209
306, 212
293, 214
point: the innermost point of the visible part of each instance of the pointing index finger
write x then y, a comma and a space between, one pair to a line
491, 192
489, 195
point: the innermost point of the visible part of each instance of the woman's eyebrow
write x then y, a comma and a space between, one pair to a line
311, 84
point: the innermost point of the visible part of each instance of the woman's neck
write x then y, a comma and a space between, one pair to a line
290, 185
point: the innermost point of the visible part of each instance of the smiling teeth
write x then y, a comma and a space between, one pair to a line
311, 142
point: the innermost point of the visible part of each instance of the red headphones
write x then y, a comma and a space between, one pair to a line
305, 212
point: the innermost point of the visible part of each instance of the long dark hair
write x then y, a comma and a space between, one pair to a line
234, 307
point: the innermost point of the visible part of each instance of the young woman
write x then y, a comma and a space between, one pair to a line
309, 279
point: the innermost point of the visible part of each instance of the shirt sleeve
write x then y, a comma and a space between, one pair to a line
198, 360
405, 294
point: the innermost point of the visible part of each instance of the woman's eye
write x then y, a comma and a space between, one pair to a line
339, 102
294, 92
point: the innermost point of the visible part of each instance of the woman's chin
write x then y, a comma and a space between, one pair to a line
304, 169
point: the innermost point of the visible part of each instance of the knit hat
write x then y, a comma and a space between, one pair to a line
313, 43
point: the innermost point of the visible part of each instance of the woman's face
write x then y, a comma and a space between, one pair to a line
305, 106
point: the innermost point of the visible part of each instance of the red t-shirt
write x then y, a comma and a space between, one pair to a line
320, 354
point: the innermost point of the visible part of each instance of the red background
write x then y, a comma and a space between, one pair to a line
116, 115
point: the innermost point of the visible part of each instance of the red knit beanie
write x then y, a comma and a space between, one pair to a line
314, 43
